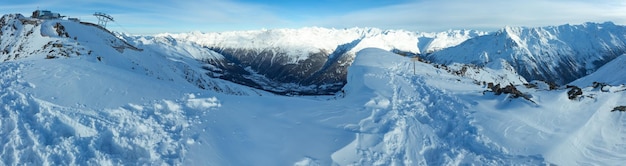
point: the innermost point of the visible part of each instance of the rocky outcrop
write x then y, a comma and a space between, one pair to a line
509, 89
601, 86
619, 108
574, 92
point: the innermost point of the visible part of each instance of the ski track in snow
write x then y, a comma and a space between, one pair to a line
413, 123
411, 118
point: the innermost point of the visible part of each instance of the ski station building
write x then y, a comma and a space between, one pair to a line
46, 14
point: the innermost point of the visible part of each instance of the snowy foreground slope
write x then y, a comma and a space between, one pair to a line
78, 95
388, 115
437, 118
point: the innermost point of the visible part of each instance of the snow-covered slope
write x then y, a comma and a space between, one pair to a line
610, 73
432, 42
96, 100
25, 38
415, 118
307, 60
73, 94
420, 119
558, 54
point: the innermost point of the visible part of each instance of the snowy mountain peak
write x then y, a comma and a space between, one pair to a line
554, 53
432, 42
300, 42
25, 39
55, 38
310, 60
513, 33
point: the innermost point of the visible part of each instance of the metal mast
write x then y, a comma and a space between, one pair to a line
103, 19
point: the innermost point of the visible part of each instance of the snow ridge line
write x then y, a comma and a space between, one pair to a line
435, 121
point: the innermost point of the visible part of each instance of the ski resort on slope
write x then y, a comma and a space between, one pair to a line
75, 93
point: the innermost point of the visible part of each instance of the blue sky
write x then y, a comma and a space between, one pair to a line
158, 16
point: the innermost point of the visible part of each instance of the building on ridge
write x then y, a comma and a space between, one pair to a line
46, 14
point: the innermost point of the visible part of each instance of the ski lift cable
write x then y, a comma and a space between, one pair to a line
124, 29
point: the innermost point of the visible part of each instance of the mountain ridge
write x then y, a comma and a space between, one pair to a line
307, 61
557, 54
26, 39
315, 60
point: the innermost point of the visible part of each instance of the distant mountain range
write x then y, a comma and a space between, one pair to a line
559, 54
314, 61
306, 61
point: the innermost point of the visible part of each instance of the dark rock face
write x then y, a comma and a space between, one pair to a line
509, 89
601, 86
574, 92
619, 108
322, 73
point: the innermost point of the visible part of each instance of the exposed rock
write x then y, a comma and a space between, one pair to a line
574, 92
544, 85
496, 89
600, 85
529, 85
60, 29
509, 89
619, 108
553, 85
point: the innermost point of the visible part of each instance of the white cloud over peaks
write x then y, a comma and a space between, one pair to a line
432, 15
149, 16
224, 11
203, 15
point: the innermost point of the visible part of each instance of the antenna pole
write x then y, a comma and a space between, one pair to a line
414, 59
103, 18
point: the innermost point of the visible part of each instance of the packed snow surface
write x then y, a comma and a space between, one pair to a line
101, 102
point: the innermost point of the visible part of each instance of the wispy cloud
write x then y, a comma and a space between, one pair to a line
431, 15
157, 16
200, 15
148, 16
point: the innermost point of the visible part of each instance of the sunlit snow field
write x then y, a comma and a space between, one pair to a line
135, 107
